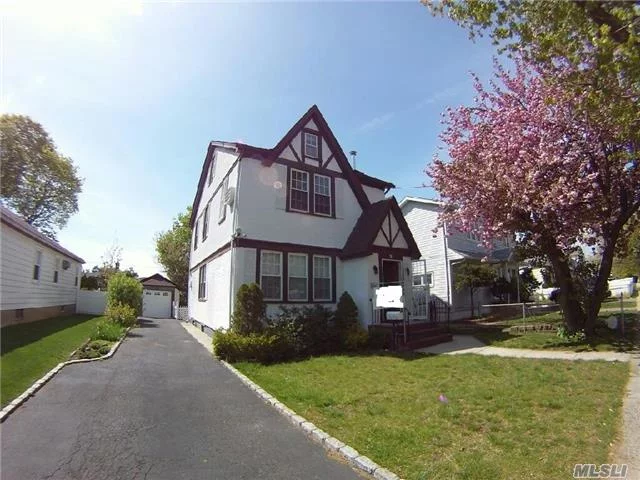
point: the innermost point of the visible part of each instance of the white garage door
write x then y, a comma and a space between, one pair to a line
156, 304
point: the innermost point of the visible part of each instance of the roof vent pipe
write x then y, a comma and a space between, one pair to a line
353, 154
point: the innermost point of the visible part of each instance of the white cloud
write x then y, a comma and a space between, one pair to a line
375, 122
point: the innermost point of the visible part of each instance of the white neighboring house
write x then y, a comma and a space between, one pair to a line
39, 278
298, 220
444, 252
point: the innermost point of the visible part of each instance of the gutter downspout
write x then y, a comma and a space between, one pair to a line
233, 237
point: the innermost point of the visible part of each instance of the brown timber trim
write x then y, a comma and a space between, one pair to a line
285, 247
218, 253
308, 168
293, 150
326, 164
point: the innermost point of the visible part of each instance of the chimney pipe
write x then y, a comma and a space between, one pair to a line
353, 154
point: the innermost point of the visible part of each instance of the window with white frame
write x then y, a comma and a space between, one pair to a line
322, 195
222, 214
36, 265
205, 222
423, 279
212, 170
271, 275
298, 277
299, 191
321, 278
202, 282
311, 148
195, 235
56, 271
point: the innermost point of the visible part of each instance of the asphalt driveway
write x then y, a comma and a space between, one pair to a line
161, 408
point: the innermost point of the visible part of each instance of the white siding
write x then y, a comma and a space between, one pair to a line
218, 234
373, 194
17, 287
358, 276
262, 215
213, 312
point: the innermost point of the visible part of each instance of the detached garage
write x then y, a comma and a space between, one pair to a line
158, 296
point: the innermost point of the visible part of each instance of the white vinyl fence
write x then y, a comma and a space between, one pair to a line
181, 313
92, 302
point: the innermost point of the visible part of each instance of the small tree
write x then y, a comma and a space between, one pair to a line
528, 285
346, 314
249, 310
473, 276
124, 290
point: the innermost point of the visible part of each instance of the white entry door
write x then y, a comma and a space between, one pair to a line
156, 304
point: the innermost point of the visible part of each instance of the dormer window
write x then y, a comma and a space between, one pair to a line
310, 145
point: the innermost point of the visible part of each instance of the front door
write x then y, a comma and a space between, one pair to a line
390, 272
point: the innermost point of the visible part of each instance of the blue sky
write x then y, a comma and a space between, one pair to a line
134, 92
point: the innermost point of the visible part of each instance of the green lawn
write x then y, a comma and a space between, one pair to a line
32, 349
506, 418
605, 339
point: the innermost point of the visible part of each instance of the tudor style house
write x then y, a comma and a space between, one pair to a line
296, 219
39, 278
444, 252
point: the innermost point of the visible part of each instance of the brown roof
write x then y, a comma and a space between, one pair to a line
20, 224
157, 280
360, 241
373, 181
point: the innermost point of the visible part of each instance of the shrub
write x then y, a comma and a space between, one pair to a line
95, 349
356, 339
309, 329
120, 314
249, 310
125, 290
346, 314
379, 339
107, 330
262, 347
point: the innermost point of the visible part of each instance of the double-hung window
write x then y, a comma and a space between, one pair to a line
321, 278
202, 283
222, 213
56, 271
298, 277
311, 148
195, 235
271, 275
322, 195
299, 191
36, 265
205, 222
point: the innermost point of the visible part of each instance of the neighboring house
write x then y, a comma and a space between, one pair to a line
298, 220
39, 278
159, 295
443, 252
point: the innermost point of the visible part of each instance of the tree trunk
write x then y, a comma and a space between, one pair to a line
600, 288
574, 314
472, 312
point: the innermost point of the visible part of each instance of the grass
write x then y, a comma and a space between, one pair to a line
32, 349
506, 418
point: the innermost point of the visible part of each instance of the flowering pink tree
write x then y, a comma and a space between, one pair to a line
530, 158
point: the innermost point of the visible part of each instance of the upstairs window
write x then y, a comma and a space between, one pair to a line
56, 270
202, 283
321, 278
36, 266
299, 191
322, 195
195, 235
298, 279
310, 145
222, 214
212, 170
271, 275
205, 222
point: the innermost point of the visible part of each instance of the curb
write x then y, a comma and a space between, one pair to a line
38, 384
352, 456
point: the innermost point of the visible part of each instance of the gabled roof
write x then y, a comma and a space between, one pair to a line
157, 280
424, 201
360, 241
268, 155
373, 181
18, 223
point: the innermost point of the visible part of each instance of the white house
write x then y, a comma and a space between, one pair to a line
444, 249
39, 278
298, 220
